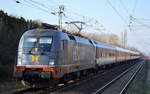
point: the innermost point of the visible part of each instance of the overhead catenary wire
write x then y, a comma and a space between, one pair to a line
44, 8
36, 6
71, 19
85, 19
54, 2
141, 23
129, 15
42, 5
117, 12
144, 20
132, 15
66, 9
125, 8
90, 23
73, 12
134, 7
23, 3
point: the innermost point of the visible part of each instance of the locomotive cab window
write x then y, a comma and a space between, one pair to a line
37, 44
30, 42
45, 40
45, 43
31, 39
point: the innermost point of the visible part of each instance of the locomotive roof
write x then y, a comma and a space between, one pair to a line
65, 36
40, 32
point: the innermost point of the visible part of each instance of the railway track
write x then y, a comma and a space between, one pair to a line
130, 81
51, 89
26, 90
108, 88
61, 88
85, 87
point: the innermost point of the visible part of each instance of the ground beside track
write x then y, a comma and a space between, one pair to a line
141, 83
93, 84
118, 86
9, 86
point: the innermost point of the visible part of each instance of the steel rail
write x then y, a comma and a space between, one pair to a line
99, 91
130, 81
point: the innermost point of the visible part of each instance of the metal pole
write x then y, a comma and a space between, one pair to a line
60, 13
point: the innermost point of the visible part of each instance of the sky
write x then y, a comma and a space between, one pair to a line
112, 14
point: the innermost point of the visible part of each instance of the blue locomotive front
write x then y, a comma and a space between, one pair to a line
37, 54
46, 55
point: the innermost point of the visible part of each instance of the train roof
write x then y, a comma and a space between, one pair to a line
65, 36
40, 32
104, 45
126, 50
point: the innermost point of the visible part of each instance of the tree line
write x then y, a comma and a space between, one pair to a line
11, 29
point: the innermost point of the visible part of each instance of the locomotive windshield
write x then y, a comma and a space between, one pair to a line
45, 44
34, 44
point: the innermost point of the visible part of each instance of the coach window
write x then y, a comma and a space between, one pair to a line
102, 54
110, 54
106, 54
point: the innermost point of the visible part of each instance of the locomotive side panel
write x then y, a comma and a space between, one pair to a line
76, 56
86, 56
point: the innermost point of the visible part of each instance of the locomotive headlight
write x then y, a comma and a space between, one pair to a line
19, 61
51, 62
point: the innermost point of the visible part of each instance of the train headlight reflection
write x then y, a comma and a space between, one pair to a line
51, 62
19, 62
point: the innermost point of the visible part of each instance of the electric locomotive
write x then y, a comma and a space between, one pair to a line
47, 55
